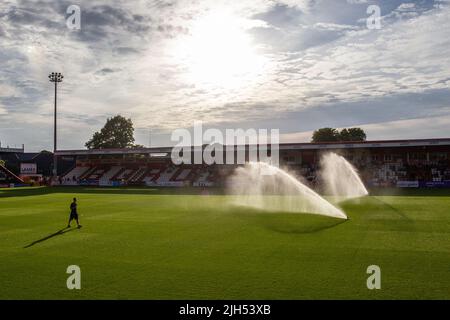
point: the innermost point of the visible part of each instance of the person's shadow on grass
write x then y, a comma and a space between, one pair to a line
58, 233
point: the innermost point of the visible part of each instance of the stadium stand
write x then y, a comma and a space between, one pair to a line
73, 176
398, 163
106, 179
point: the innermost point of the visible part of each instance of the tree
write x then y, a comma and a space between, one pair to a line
344, 135
117, 133
325, 135
353, 134
333, 135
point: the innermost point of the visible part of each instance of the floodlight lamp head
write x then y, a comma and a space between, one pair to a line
56, 77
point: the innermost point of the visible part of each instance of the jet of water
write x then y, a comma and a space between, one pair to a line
262, 186
340, 178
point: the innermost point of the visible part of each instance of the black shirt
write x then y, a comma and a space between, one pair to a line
73, 207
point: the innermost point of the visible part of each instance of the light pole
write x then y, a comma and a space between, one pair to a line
55, 77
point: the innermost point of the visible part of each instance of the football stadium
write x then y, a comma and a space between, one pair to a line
262, 151
154, 230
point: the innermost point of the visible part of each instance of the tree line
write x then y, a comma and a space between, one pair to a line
334, 135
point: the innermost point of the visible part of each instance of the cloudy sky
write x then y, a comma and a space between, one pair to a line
295, 65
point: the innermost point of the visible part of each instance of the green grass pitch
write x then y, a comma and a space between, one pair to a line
156, 244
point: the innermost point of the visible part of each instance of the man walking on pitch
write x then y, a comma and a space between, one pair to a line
73, 213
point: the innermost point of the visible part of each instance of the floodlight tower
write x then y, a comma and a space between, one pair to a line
55, 77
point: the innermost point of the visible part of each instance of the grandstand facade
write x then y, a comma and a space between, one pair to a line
394, 163
29, 167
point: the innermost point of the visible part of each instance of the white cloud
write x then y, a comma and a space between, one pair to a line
357, 1
7, 90
296, 137
334, 26
407, 56
303, 5
406, 6
123, 61
425, 128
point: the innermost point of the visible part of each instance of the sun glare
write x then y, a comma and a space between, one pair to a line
218, 52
